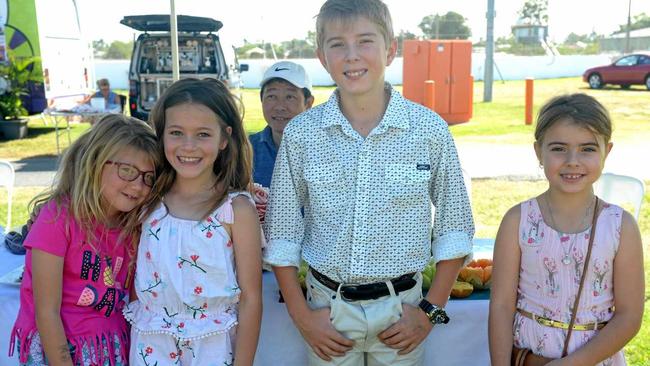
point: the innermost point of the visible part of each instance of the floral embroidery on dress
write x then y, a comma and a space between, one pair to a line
192, 262
144, 353
151, 231
533, 236
578, 263
152, 285
552, 286
541, 344
209, 226
599, 285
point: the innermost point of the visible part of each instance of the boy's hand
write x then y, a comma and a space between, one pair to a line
412, 328
318, 332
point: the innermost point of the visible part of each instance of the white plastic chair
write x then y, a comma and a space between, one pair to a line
7, 179
622, 190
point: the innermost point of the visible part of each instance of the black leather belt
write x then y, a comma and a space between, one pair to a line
367, 291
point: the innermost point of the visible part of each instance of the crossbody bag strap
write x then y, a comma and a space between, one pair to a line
592, 234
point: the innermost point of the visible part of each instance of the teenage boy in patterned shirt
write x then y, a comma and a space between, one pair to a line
366, 166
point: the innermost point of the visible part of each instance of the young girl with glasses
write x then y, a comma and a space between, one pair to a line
80, 246
198, 278
542, 251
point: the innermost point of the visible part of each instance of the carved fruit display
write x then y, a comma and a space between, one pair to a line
478, 273
461, 289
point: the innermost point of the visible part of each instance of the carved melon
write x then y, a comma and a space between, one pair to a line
478, 273
461, 289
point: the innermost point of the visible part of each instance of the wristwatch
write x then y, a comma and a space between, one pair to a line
436, 314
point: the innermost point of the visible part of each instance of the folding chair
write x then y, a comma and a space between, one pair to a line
7, 179
622, 190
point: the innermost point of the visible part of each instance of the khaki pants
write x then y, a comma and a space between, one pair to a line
361, 321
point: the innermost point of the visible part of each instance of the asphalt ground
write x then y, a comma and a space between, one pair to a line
516, 162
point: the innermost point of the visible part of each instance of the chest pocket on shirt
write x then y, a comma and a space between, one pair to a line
407, 183
325, 183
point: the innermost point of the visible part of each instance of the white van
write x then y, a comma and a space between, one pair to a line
200, 55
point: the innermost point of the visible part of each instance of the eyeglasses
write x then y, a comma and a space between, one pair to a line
130, 173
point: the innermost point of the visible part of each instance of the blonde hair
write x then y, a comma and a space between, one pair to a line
349, 10
581, 109
233, 164
78, 181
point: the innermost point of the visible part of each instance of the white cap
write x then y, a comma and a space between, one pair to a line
289, 71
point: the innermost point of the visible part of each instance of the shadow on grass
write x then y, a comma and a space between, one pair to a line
38, 131
34, 132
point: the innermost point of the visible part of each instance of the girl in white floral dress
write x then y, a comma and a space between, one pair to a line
541, 246
198, 277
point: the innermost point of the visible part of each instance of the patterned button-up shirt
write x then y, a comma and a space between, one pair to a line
368, 201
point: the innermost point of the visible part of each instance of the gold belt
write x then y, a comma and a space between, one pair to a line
556, 324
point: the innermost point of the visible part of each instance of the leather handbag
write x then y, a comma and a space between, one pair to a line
525, 356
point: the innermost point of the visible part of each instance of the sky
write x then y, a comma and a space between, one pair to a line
283, 20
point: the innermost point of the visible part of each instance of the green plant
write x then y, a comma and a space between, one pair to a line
14, 76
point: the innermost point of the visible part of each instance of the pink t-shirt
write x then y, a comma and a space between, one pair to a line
93, 283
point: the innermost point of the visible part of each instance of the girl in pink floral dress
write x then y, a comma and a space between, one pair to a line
542, 243
198, 279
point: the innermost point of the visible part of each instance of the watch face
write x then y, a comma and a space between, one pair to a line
440, 317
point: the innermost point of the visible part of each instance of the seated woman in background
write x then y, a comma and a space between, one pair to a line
111, 99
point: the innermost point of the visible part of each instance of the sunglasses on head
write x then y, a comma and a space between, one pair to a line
129, 173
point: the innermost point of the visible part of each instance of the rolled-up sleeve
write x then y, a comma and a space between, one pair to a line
284, 220
453, 227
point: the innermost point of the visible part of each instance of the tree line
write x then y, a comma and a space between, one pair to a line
451, 25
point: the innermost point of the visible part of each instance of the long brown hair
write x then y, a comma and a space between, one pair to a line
78, 180
233, 164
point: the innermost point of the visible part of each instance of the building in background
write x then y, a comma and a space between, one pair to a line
639, 41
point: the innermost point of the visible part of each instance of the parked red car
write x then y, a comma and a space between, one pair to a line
627, 70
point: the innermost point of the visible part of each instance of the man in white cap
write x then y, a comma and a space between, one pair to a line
285, 93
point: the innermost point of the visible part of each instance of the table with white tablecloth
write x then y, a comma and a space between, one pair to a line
461, 342
62, 117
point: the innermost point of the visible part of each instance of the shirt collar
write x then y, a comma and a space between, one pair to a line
394, 115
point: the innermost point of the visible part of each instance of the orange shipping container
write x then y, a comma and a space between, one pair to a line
449, 65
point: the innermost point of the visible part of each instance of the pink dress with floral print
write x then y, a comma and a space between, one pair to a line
547, 286
185, 279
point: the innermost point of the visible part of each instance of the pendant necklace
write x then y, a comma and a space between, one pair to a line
566, 259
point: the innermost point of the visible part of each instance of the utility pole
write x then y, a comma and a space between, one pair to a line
488, 73
629, 24
437, 22
174, 41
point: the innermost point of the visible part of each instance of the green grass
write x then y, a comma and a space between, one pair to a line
490, 200
501, 121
